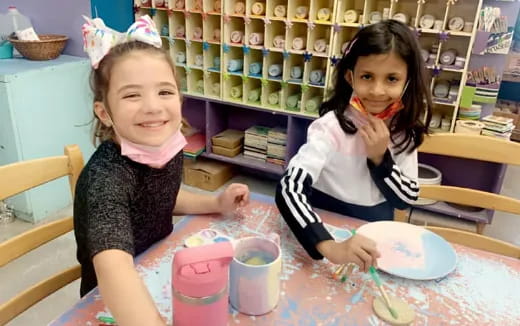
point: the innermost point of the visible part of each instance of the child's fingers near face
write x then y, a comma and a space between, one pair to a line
377, 124
372, 132
368, 134
383, 128
372, 121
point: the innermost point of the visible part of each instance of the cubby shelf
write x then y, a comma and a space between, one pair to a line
280, 50
270, 38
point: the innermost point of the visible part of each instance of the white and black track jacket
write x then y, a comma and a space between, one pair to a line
331, 171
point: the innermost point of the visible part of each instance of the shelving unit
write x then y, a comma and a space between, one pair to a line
285, 50
510, 9
212, 117
305, 34
285, 33
255, 32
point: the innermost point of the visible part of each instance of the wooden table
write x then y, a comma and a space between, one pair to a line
483, 290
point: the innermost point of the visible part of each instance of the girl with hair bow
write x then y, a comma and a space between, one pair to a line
131, 186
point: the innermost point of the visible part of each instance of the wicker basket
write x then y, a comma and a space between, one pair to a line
48, 47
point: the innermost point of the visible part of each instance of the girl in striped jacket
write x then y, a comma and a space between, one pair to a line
360, 158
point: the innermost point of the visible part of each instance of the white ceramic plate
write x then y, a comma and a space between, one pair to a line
410, 251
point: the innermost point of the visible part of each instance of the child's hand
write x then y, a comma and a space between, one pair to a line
236, 195
358, 249
377, 137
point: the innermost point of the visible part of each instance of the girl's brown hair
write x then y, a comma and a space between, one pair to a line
100, 81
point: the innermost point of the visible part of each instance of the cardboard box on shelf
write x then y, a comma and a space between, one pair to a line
228, 138
229, 152
206, 174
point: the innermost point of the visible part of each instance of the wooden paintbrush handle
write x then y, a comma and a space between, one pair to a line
385, 296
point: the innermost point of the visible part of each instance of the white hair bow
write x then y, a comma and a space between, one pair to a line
98, 39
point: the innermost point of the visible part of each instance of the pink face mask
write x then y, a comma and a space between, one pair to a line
387, 113
153, 156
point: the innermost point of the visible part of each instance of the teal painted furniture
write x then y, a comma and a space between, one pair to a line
117, 14
44, 105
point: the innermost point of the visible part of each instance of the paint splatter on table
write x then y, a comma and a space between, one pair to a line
484, 289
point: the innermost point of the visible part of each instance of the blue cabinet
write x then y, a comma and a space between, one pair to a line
117, 14
44, 105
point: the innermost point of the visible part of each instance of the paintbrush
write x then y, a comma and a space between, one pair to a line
347, 273
377, 280
106, 320
338, 271
342, 266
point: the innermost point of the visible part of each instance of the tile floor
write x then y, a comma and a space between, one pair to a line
60, 253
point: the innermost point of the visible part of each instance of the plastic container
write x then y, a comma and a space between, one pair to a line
6, 28
428, 175
17, 20
6, 50
200, 285
10, 22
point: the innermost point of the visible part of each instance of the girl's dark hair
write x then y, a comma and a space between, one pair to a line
100, 80
382, 38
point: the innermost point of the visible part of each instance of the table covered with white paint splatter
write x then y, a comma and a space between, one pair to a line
484, 289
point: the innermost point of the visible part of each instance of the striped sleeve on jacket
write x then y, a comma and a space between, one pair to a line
295, 187
399, 185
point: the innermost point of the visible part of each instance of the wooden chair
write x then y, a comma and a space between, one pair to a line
477, 241
19, 177
479, 148
474, 147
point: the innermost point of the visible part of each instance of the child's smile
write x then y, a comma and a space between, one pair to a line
378, 80
153, 125
144, 99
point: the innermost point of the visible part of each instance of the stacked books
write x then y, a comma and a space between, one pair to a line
266, 144
255, 143
196, 145
500, 127
276, 145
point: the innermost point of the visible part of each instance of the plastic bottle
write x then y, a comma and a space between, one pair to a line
200, 278
18, 21
6, 27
